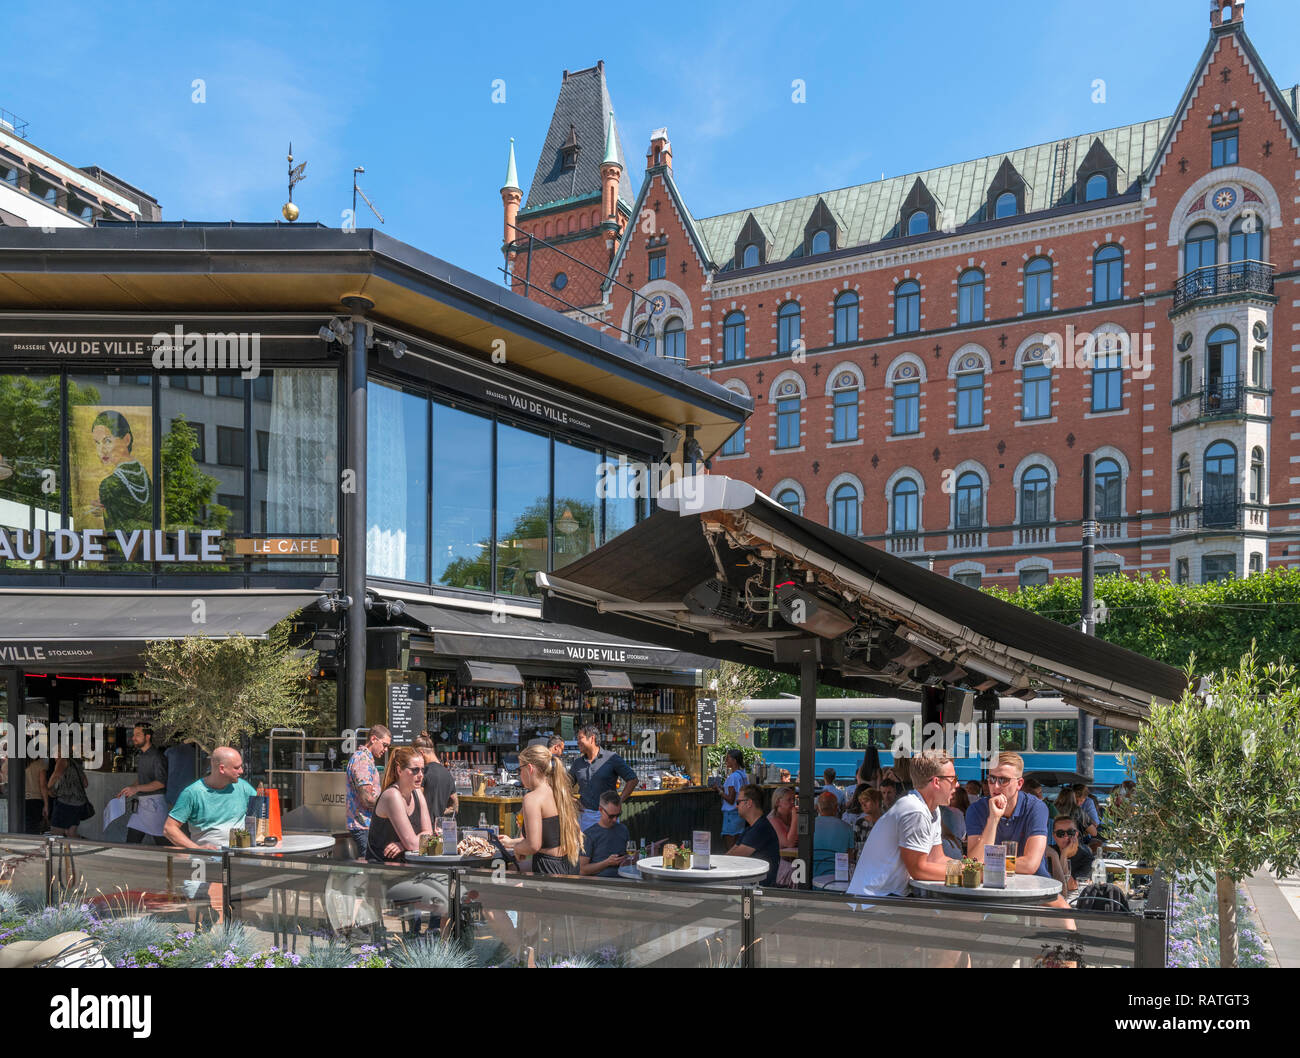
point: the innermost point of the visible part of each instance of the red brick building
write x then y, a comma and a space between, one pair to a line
931, 355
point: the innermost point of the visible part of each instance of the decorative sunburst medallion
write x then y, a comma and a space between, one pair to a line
657, 304
1224, 199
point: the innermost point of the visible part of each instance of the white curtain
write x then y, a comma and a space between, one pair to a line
302, 463
386, 484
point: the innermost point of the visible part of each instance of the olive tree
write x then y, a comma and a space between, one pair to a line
1219, 783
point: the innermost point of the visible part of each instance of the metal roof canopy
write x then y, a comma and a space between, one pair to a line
635, 586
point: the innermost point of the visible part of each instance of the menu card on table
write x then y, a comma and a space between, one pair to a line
995, 866
841, 866
701, 842
449, 838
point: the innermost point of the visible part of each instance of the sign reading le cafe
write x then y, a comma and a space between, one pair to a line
148, 545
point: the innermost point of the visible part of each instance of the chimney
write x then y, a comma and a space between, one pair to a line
1227, 12
661, 151
511, 196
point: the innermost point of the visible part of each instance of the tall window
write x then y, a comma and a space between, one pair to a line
397, 477
1223, 148
1005, 206
1097, 187
1221, 365
787, 327
658, 265
969, 501
907, 307
789, 499
918, 223
522, 494
1185, 376
733, 337
1219, 486
1035, 496
1257, 366
1107, 275
642, 336
1107, 381
1036, 388
846, 318
1109, 487
1257, 475
1256, 563
970, 399
787, 422
905, 510
1038, 285
844, 510
674, 340
970, 296
1184, 482
1182, 572
735, 444
821, 241
907, 407
1218, 567
1244, 245
1200, 248
846, 415
750, 258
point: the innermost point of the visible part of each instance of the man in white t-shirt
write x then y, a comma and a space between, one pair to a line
907, 842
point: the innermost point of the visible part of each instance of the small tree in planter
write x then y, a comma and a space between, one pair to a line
731, 683
1219, 783
216, 690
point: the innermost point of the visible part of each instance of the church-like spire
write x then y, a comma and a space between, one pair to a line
611, 145
512, 177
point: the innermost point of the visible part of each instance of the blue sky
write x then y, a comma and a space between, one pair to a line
405, 89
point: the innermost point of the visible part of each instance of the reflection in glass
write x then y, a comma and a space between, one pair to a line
623, 487
462, 498
575, 513
397, 483
523, 496
30, 492
192, 490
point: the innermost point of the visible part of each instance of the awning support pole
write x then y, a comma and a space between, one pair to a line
807, 734
1084, 757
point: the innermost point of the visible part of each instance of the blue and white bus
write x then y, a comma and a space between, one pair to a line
1044, 731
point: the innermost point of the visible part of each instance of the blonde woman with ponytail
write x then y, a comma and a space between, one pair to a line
551, 833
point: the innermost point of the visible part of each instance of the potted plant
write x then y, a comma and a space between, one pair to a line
972, 873
1060, 956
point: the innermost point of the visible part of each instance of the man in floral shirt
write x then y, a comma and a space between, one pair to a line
364, 783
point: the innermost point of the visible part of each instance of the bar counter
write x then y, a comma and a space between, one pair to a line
649, 814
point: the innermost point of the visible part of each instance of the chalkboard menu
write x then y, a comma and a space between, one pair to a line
706, 722
406, 708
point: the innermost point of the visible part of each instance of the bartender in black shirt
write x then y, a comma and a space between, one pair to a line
150, 815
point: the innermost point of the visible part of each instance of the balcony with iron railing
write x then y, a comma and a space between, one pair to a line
1222, 396
1214, 282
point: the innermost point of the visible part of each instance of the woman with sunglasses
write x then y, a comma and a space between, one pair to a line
1069, 863
551, 832
401, 816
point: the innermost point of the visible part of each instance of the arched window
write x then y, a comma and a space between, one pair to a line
1246, 240
970, 399
907, 406
1221, 367
735, 444
1107, 374
733, 336
907, 307
846, 318
674, 340
1038, 285
1097, 187
1035, 496
844, 510
1184, 482
1257, 366
968, 501
641, 337
789, 499
970, 296
750, 259
1005, 206
1109, 484
1036, 391
1257, 475
905, 510
821, 241
1256, 563
1107, 275
788, 416
1219, 486
918, 223
844, 426
1200, 247
787, 327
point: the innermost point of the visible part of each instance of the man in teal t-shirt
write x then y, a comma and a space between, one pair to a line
212, 805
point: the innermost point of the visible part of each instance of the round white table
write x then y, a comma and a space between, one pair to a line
828, 883
723, 870
454, 860
290, 843
1019, 887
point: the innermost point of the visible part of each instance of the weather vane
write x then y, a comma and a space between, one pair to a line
296, 176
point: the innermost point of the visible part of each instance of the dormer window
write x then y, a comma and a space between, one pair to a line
1005, 206
1096, 188
751, 244
569, 151
821, 241
918, 223
1097, 177
751, 256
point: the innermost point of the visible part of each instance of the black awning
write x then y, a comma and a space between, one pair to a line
603, 680
617, 588
61, 631
473, 634
488, 674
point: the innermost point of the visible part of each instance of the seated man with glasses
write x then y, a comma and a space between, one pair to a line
604, 846
759, 837
907, 841
1007, 815
1069, 862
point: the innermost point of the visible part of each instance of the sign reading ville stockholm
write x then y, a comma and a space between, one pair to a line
148, 545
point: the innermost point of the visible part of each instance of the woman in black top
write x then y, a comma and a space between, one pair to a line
551, 832
401, 816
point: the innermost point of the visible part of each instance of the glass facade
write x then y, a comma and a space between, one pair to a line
397, 483
462, 498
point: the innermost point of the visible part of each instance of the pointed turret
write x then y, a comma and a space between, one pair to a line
511, 195
512, 175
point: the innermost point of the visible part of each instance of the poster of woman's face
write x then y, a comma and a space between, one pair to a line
111, 465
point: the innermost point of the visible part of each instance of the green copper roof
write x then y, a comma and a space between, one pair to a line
512, 177
611, 145
869, 212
